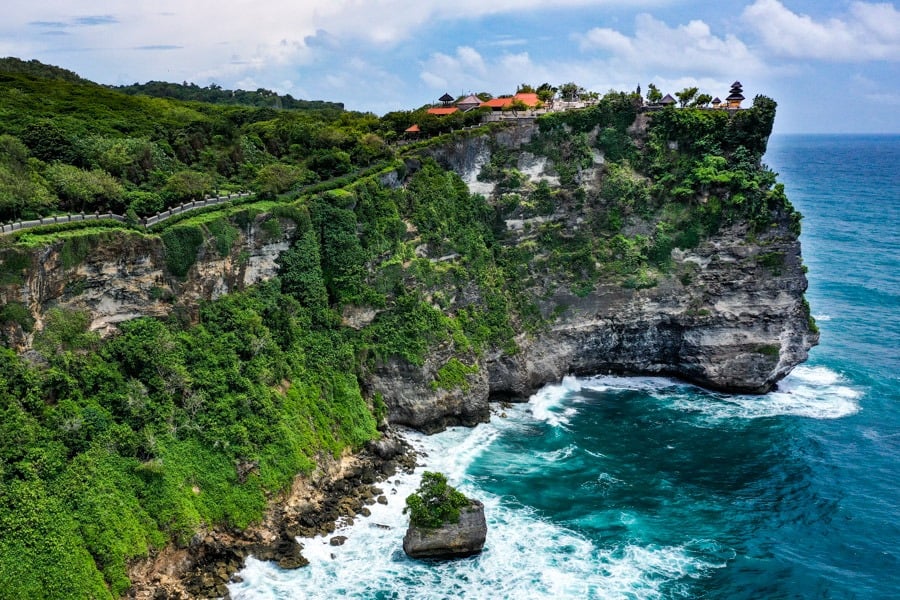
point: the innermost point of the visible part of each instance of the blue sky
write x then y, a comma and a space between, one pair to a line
832, 65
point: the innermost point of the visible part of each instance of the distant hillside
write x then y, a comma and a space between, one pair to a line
70, 145
214, 94
36, 68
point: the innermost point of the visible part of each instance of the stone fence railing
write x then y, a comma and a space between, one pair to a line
166, 214
146, 222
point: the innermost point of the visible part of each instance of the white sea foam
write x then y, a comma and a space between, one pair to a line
822, 318
811, 392
603, 383
546, 403
525, 557
603, 484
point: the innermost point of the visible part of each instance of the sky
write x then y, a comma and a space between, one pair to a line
831, 65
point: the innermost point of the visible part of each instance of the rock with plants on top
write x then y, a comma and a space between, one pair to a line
443, 522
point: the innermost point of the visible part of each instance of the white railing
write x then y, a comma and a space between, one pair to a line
146, 222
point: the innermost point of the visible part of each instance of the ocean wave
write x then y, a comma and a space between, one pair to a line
811, 392
815, 392
603, 484
546, 403
550, 561
559, 455
603, 383
526, 556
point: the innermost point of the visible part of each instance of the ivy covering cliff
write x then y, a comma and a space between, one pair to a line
112, 447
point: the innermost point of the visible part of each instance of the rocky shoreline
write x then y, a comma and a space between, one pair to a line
338, 492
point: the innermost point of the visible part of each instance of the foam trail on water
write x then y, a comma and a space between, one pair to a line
813, 392
603, 383
525, 557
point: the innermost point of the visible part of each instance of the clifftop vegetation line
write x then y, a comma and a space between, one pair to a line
394, 286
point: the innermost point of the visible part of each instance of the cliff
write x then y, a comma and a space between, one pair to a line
116, 276
473, 267
724, 310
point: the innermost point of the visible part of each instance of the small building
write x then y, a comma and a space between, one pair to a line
446, 99
442, 110
735, 96
413, 130
468, 103
668, 100
531, 101
497, 103
716, 103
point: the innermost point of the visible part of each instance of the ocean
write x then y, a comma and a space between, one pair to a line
640, 487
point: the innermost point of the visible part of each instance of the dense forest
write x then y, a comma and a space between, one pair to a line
214, 94
112, 447
69, 145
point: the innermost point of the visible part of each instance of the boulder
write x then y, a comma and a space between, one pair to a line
451, 540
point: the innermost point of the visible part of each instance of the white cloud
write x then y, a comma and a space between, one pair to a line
691, 49
220, 40
463, 69
868, 31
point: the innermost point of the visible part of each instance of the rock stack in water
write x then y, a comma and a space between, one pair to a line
443, 522
450, 540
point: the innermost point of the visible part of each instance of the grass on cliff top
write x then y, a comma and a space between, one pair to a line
48, 234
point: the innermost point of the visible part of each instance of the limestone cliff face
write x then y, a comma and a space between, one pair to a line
414, 400
123, 276
738, 325
730, 315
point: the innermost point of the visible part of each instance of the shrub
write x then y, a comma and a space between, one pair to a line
182, 244
435, 502
16, 312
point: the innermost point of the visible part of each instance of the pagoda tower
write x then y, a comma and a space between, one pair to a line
735, 96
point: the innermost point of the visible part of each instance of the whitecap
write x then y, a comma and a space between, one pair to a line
603, 383
526, 556
558, 455
822, 318
546, 403
814, 392
603, 484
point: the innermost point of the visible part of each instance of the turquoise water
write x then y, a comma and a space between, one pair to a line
613, 487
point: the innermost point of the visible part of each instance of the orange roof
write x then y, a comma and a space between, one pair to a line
497, 102
530, 100
413, 129
442, 111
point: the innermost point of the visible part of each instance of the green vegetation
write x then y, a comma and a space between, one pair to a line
454, 375
214, 94
71, 145
111, 448
435, 502
119, 446
182, 244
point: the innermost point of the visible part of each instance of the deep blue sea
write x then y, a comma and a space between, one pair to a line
650, 488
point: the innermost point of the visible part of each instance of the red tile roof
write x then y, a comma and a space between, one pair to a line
497, 102
529, 100
442, 111
413, 129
